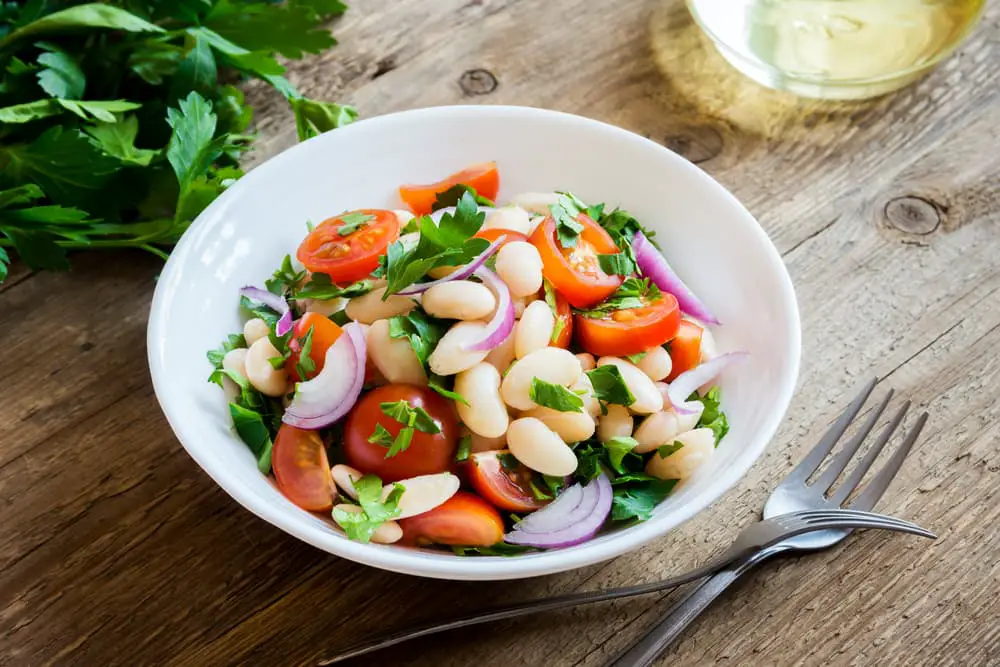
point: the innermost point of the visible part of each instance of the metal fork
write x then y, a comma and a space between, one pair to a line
777, 528
795, 493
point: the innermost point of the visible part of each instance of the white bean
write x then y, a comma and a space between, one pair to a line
551, 364
520, 266
394, 357
387, 532
570, 426
344, 477
617, 423
485, 414
664, 390
423, 493
657, 430
234, 362
536, 202
265, 378
647, 397
502, 355
534, 330
450, 357
655, 363
538, 447
587, 361
513, 218
585, 390
325, 307
403, 217
687, 422
370, 307
698, 447
459, 300
254, 330
521, 304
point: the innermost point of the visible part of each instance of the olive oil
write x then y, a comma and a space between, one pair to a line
836, 48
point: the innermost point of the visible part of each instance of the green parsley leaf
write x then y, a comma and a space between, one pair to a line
609, 385
712, 416
554, 484
286, 278
197, 71
305, 365
551, 300
117, 139
621, 226
402, 441
351, 222
252, 430
360, 526
638, 500
232, 342
568, 228
92, 15
321, 287
464, 448
423, 332
314, 117
60, 75
589, 455
438, 382
340, 318
632, 293
409, 415
618, 447
537, 491
666, 450
191, 149
633, 477
554, 396
618, 264
635, 358
381, 436
452, 195
37, 249
508, 461
499, 549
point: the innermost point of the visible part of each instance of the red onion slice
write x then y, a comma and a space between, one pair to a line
333, 392
654, 266
688, 382
461, 274
275, 302
555, 513
597, 496
502, 324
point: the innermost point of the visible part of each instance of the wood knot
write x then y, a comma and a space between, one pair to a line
477, 82
697, 143
913, 215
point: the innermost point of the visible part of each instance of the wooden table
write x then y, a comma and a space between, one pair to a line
116, 549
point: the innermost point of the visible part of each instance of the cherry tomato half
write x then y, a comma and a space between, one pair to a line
465, 519
507, 489
631, 330
575, 272
325, 333
494, 233
685, 349
428, 452
301, 469
352, 257
483, 177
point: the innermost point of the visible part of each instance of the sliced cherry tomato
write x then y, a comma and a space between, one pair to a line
494, 233
575, 272
301, 469
507, 489
465, 519
353, 256
685, 349
482, 177
629, 331
563, 332
325, 333
428, 452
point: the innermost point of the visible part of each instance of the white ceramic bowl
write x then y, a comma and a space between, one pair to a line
711, 240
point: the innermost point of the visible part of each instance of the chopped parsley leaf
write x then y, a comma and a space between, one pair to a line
554, 396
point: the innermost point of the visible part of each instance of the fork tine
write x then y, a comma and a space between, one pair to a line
854, 479
837, 465
874, 490
815, 457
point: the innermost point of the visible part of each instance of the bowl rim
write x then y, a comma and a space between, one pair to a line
410, 562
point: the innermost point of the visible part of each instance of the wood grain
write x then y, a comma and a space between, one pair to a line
115, 549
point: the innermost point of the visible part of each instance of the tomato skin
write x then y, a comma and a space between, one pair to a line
505, 489
483, 177
574, 272
325, 333
685, 349
465, 519
348, 258
301, 468
631, 331
494, 233
428, 452
564, 317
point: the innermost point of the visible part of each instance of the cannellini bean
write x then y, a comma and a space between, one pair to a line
655, 363
514, 218
450, 357
647, 397
617, 423
486, 413
387, 533
689, 421
344, 477
326, 307
459, 300
502, 355
439, 272
394, 357
254, 330
534, 330
698, 446
234, 362
370, 307
402, 216
585, 390
423, 493
536, 202
265, 378
520, 266
481, 444
708, 347
587, 361
570, 426
657, 430
664, 390
551, 364
537, 446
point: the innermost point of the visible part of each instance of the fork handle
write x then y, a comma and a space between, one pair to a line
644, 652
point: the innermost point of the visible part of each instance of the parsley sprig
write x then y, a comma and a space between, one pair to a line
413, 418
360, 526
632, 293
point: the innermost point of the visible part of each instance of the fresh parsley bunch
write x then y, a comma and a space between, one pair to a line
121, 121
